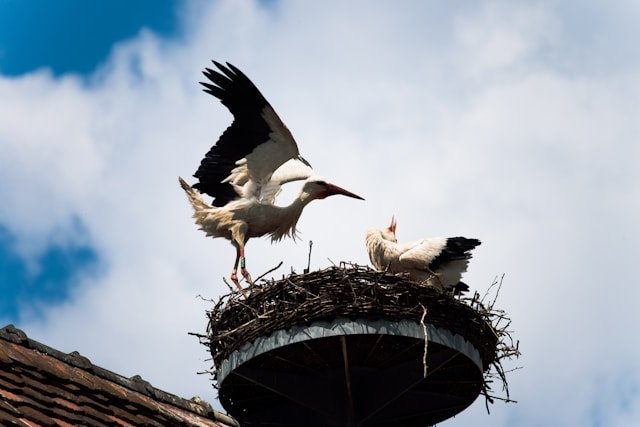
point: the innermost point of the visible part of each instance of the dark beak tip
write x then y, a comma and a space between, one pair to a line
354, 196
334, 190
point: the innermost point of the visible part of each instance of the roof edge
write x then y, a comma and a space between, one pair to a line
136, 383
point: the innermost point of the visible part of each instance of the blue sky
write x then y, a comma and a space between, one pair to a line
74, 36
512, 122
66, 36
46, 279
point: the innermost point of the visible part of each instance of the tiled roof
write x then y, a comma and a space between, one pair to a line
40, 386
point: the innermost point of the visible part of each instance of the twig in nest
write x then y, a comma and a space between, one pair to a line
426, 341
306, 270
204, 299
244, 293
332, 263
301, 288
224, 279
494, 283
195, 334
497, 292
273, 269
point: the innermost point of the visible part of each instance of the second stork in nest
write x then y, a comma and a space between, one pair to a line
438, 261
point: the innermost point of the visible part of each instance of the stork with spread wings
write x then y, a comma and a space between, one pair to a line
246, 168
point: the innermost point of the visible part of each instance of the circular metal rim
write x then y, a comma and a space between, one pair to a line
344, 326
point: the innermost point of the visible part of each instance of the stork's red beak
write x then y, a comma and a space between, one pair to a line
394, 224
334, 189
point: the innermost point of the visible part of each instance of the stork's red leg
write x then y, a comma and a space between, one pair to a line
243, 269
234, 272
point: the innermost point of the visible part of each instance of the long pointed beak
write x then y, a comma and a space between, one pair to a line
393, 225
334, 189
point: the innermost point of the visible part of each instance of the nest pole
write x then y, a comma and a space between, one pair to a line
347, 382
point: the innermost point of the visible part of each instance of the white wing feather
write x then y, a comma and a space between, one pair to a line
420, 254
257, 168
291, 170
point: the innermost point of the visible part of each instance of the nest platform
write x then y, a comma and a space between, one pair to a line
350, 346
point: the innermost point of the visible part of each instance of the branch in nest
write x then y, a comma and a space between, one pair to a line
272, 270
426, 341
306, 270
244, 293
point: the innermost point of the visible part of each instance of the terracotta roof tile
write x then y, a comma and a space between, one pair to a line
40, 386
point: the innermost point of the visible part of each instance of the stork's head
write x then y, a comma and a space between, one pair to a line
316, 187
389, 233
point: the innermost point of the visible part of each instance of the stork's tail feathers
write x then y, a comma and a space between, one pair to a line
461, 244
456, 248
194, 196
460, 288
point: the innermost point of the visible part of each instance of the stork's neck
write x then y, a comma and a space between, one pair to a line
381, 251
294, 210
288, 217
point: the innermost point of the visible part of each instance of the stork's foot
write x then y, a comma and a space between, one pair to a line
245, 273
246, 276
234, 279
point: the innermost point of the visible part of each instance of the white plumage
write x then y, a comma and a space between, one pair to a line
245, 169
438, 261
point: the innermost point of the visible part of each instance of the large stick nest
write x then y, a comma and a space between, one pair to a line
358, 292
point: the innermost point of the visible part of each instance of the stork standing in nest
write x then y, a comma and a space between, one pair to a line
438, 261
245, 169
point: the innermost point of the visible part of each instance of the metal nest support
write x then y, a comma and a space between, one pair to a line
350, 346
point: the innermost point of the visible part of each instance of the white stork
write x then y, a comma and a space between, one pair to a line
438, 261
245, 169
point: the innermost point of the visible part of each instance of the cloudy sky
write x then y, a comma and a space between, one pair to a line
513, 122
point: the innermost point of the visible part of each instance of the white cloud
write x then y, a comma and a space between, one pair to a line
458, 121
500, 35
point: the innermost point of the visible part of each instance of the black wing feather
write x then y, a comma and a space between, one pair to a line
456, 248
248, 130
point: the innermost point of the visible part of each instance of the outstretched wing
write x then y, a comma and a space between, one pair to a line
252, 148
